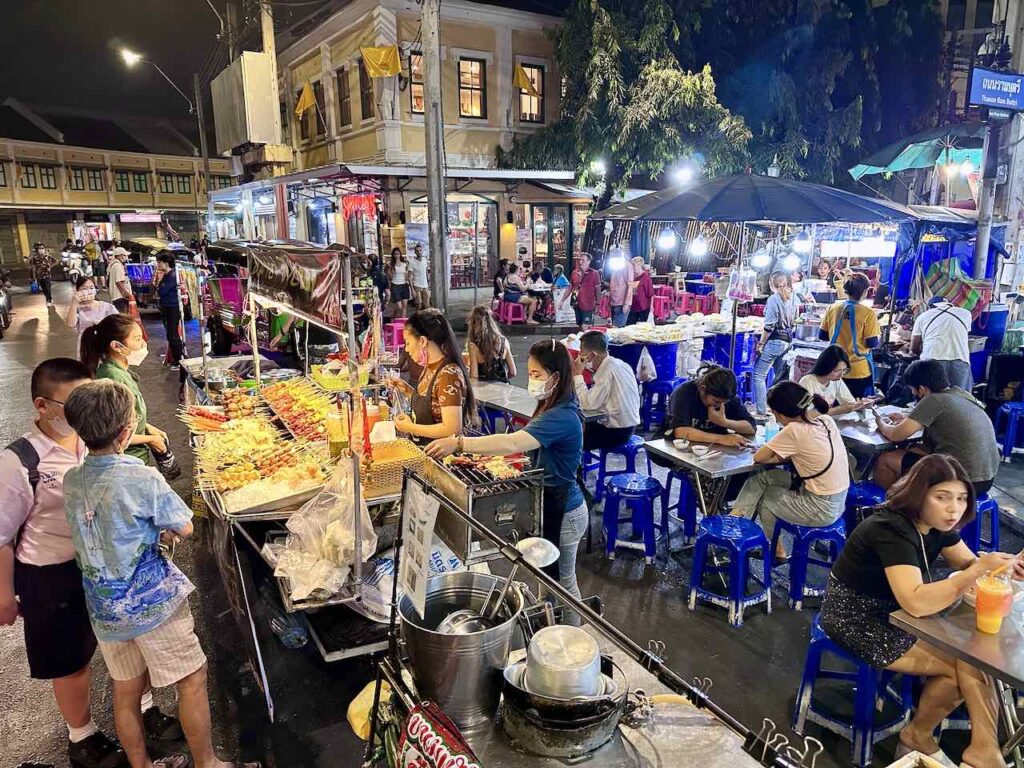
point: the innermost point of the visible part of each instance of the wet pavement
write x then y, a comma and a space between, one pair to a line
755, 668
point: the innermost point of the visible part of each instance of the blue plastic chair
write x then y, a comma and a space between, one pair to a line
685, 508
868, 685
804, 538
971, 534
1011, 413
654, 404
860, 497
638, 492
629, 451
740, 537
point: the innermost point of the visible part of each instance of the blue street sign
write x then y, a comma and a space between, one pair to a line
1002, 90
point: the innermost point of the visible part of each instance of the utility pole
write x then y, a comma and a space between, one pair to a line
270, 48
987, 197
205, 150
233, 29
433, 121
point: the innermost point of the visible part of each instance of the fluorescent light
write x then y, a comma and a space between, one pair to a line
667, 239
761, 259
802, 243
130, 57
791, 263
967, 168
698, 247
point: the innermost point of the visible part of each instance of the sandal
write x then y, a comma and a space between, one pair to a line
172, 761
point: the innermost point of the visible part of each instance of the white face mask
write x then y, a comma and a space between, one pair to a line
86, 294
135, 356
539, 387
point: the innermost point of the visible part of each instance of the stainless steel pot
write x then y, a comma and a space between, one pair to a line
563, 662
462, 673
806, 331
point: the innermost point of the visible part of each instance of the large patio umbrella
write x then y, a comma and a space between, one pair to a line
945, 145
750, 198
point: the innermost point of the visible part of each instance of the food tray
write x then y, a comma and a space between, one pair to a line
337, 382
384, 476
215, 500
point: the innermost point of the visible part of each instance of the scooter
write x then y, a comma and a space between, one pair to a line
78, 266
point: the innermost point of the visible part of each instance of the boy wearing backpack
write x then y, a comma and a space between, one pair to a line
39, 579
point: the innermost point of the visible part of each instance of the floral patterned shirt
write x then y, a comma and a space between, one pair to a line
116, 508
449, 389
42, 265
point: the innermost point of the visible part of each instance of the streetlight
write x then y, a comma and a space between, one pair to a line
599, 167
131, 59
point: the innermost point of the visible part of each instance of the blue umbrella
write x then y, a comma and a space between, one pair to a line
750, 198
947, 144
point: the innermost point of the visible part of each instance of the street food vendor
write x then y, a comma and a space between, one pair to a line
705, 409
854, 327
442, 398
886, 565
554, 440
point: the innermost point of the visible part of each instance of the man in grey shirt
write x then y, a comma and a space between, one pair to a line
954, 423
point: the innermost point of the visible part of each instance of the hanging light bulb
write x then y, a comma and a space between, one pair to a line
967, 168
761, 259
667, 239
616, 258
698, 247
802, 243
791, 263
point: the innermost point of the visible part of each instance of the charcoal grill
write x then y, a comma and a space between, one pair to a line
510, 508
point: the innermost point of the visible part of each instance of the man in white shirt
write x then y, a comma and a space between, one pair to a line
117, 279
615, 393
418, 278
940, 333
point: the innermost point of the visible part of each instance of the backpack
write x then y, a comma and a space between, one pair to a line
29, 458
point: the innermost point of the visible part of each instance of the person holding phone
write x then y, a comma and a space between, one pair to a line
706, 410
826, 381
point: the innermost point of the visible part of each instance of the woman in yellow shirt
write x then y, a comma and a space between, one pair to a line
854, 327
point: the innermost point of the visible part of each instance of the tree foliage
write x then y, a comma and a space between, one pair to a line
628, 102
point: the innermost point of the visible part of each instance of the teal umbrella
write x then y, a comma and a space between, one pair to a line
945, 145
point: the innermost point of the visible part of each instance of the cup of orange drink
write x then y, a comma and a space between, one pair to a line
993, 601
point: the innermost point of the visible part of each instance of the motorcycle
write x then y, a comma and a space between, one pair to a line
77, 266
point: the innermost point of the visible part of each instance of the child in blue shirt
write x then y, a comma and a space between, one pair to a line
118, 510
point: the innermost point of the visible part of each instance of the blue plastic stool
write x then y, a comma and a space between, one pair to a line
804, 538
638, 492
685, 508
654, 406
868, 684
1012, 413
741, 537
971, 534
489, 417
629, 451
859, 497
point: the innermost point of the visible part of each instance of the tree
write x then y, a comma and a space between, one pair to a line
628, 102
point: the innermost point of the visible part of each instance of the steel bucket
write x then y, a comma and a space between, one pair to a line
462, 673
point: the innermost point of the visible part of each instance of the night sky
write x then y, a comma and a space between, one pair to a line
64, 52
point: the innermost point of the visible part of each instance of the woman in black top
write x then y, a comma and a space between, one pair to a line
490, 354
887, 565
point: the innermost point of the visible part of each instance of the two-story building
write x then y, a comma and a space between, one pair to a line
68, 173
364, 141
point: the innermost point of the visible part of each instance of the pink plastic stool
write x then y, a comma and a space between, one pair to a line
684, 302
661, 306
707, 304
510, 313
393, 335
664, 290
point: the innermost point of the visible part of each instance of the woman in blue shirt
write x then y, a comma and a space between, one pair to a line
554, 440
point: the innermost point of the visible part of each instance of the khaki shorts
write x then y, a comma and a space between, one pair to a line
171, 652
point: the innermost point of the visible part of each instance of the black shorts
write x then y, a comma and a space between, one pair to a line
58, 636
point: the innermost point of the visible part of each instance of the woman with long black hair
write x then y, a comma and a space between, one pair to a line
554, 440
442, 398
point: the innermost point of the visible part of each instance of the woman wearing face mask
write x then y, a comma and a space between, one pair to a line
554, 439
886, 565
85, 311
442, 399
826, 380
109, 350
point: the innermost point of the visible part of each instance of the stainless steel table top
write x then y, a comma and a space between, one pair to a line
512, 399
724, 462
1000, 655
857, 432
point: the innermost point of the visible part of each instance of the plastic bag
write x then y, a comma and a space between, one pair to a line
319, 552
742, 285
360, 710
645, 370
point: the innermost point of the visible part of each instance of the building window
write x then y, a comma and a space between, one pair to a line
416, 83
95, 177
956, 15
47, 177
166, 184
28, 176
531, 108
140, 181
121, 181
344, 98
983, 14
302, 120
365, 92
184, 185
220, 182
318, 96
472, 88
76, 179
3, 174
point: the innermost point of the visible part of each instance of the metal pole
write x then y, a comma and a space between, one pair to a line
735, 303
353, 377
434, 127
232, 26
191, 106
987, 198
253, 342
201, 119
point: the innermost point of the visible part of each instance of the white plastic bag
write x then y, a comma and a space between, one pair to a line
645, 369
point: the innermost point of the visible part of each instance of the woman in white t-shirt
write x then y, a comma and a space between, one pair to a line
398, 274
826, 380
814, 493
85, 311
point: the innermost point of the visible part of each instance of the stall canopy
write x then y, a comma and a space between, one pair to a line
751, 198
947, 144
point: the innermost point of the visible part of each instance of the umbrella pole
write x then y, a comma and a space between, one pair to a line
735, 303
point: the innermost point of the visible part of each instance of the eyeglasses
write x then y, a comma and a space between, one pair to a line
55, 402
